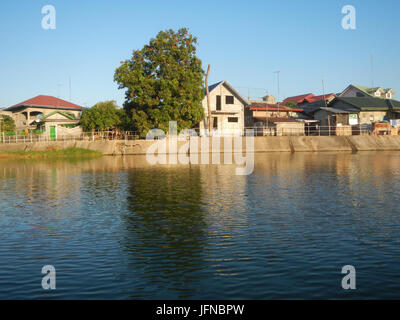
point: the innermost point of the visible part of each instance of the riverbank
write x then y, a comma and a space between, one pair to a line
261, 144
69, 153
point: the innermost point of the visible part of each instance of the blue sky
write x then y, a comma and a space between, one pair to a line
244, 41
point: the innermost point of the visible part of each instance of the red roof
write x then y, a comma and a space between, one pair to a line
322, 97
298, 99
308, 98
48, 101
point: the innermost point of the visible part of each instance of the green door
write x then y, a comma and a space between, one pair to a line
52, 133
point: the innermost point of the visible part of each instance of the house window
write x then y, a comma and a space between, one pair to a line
229, 100
218, 105
233, 119
378, 94
389, 95
215, 122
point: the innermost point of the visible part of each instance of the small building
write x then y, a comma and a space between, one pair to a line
370, 109
261, 112
269, 99
359, 113
334, 121
329, 116
353, 91
45, 112
286, 126
227, 109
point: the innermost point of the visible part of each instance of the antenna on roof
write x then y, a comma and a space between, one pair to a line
372, 69
58, 90
323, 91
70, 88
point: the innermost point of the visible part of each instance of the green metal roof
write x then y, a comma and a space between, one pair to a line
369, 103
370, 91
67, 115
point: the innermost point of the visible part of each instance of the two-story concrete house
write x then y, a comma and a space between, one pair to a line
45, 112
227, 109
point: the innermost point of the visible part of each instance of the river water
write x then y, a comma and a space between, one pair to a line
118, 228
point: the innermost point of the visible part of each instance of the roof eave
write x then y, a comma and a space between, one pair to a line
45, 107
224, 82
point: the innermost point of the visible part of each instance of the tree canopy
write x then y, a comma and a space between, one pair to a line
7, 123
103, 116
163, 82
291, 104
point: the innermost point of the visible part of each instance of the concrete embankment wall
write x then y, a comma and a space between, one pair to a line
261, 144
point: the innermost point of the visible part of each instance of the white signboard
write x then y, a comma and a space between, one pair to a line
353, 119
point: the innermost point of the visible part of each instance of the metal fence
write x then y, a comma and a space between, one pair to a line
85, 136
314, 130
317, 130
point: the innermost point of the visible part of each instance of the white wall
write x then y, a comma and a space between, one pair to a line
236, 110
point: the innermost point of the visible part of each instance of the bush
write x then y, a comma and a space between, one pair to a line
103, 116
7, 123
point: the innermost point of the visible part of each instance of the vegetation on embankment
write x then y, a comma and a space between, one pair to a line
70, 153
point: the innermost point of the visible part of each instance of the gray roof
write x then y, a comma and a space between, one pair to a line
310, 108
232, 89
213, 86
335, 110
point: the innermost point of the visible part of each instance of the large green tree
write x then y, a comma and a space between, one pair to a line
6, 123
103, 116
163, 82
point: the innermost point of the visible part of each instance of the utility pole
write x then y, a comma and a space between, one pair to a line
208, 100
277, 74
326, 106
266, 116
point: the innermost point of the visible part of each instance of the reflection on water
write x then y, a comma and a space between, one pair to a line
118, 228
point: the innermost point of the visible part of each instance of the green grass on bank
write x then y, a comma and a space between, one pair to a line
70, 153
